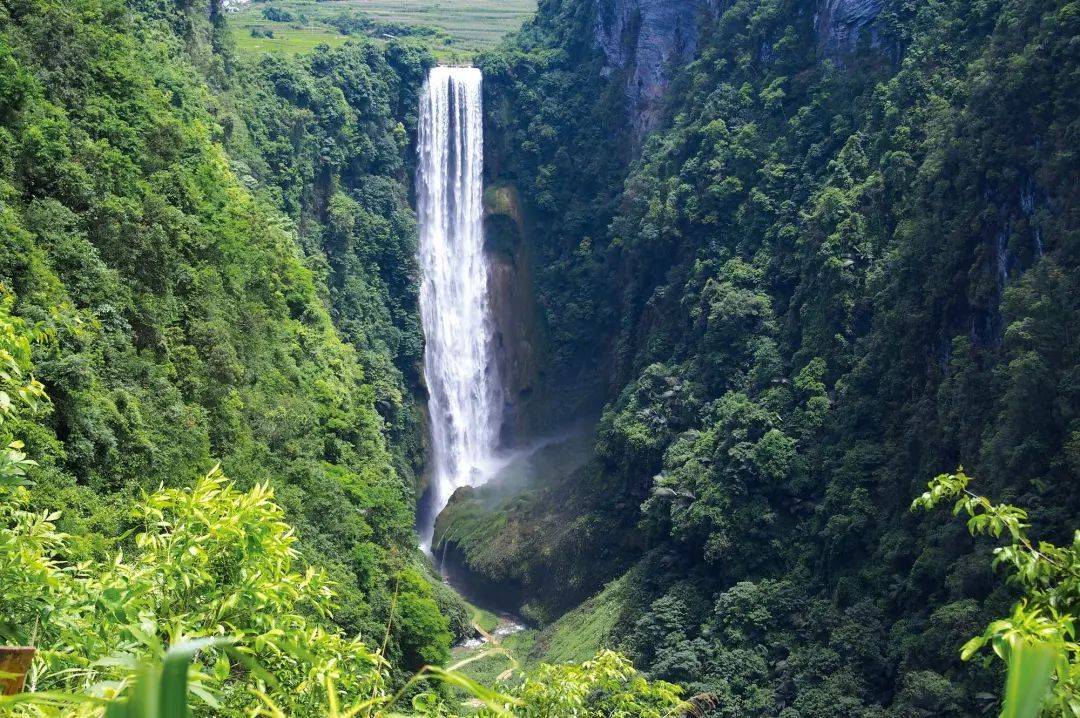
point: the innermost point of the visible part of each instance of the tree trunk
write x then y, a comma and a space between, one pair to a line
14, 663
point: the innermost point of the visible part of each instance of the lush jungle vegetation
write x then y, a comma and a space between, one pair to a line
208, 381
826, 276
823, 276
209, 577
188, 326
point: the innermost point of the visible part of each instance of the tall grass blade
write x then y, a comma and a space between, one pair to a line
174, 675
1030, 668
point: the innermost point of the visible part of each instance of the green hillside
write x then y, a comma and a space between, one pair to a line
757, 397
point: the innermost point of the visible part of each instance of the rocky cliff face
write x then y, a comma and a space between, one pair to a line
513, 308
643, 39
841, 24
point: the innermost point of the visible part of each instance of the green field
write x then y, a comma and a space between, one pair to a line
465, 26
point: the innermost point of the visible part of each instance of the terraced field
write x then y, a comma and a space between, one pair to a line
465, 26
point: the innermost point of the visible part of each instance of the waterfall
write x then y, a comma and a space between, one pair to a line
465, 397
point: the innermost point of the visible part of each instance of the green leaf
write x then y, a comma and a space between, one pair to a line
222, 668
971, 647
174, 675
1030, 668
145, 700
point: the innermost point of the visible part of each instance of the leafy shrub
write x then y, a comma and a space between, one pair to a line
1039, 636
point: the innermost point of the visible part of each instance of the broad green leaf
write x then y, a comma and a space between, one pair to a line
1030, 668
174, 675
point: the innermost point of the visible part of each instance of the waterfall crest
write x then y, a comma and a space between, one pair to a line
465, 396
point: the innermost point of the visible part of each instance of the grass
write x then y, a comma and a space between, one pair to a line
579, 634
574, 638
286, 39
484, 620
496, 663
493, 668
467, 26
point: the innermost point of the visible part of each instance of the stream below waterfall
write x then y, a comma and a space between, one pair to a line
518, 470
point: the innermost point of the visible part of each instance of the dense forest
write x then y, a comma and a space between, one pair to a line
788, 259
826, 264
186, 324
209, 339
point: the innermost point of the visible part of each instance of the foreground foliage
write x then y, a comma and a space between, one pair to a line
209, 578
1039, 636
216, 563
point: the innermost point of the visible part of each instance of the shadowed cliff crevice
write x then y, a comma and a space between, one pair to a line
514, 311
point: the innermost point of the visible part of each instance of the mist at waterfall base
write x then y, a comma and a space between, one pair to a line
464, 393
543, 462
510, 470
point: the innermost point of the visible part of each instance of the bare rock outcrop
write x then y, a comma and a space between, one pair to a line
643, 40
841, 24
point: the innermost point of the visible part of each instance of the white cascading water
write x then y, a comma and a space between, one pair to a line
465, 397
